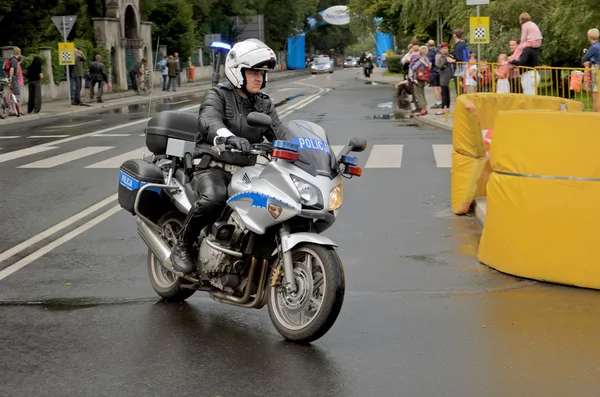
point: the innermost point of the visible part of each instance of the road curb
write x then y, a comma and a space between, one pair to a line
430, 120
136, 99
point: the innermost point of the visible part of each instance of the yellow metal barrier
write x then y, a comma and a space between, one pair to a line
579, 84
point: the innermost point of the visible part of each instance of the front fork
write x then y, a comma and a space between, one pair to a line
288, 262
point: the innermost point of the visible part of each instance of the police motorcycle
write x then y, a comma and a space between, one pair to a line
266, 247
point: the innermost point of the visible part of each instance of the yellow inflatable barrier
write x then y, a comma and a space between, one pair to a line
473, 114
543, 197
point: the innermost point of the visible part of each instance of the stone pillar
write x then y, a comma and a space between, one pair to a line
7, 51
50, 90
200, 55
162, 51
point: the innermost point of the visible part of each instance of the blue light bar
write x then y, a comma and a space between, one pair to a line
285, 145
349, 160
221, 45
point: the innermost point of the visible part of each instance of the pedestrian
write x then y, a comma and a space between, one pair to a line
136, 71
444, 63
178, 69
99, 76
434, 83
77, 76
34, 77
591, 60
164, 71
471, 75
528, 61
13, 77
172, 70
531, 36
514, 77
422, 72
502, 72
462, 52
88, 84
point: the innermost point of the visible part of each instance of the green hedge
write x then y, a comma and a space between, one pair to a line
394, 63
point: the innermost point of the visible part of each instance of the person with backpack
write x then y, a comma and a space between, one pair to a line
434, 83
462, 53
11, 70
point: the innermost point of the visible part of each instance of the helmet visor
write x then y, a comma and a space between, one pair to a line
269, 64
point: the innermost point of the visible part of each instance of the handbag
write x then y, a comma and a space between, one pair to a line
424, 76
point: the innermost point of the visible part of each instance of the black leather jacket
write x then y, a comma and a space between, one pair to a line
223, 107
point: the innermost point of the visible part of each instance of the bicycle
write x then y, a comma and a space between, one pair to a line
145, 85
7, 103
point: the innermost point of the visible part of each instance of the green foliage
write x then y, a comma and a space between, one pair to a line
394, 63
174, 24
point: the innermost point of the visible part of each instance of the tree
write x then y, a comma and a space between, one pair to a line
174, 24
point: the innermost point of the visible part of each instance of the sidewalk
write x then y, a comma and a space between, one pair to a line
114, 100
443, 122
431, 119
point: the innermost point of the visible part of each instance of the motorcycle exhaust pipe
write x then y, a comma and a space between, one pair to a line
157, 245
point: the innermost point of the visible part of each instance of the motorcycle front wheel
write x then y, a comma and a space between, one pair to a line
307, 314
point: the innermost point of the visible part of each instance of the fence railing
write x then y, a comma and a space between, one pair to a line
580, 84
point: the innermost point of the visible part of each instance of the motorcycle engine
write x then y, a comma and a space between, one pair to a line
222, 270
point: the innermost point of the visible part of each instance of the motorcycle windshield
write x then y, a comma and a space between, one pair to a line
314, 154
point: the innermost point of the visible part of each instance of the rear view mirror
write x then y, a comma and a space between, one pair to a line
358, 144
259, 120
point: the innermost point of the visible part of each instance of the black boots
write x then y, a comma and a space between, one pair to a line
181, 258
182, 254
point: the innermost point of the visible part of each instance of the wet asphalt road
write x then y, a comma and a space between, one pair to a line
421, 316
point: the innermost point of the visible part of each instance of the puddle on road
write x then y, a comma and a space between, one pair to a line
65, 304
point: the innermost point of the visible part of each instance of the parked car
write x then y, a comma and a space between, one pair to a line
322, 64
351, 62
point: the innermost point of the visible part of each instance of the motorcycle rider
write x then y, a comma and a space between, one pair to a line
222, 120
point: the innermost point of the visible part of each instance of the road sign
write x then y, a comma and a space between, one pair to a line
480, 30
477, 2
389, 53
64, 24
66, 53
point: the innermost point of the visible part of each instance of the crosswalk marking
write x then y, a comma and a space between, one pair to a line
10, 136
24, 152
66, 157
442, 155
377, 156
47, 136
385, 156
115, 162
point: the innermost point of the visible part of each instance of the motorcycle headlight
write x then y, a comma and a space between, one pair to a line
310, 196
335, 198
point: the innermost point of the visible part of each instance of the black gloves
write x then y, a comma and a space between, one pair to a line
239, 143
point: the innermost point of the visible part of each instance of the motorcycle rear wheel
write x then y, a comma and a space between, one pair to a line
319, 298
166, 284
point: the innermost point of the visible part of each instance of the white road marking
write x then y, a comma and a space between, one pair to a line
57, 243
443, 155
110, 135
55, 229
24, 152
67, 157
289, 89
10, 136
115, 162
385, 156
47, 136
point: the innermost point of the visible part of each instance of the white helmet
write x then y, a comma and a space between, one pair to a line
248, 54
